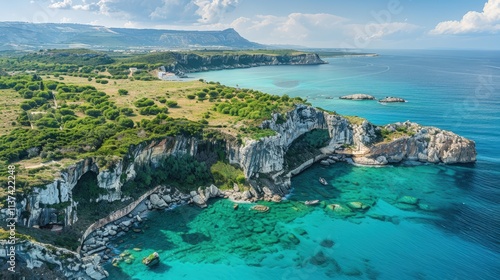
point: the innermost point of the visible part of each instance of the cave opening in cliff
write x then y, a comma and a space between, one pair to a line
87, 188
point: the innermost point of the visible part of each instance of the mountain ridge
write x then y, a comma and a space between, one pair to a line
34, 36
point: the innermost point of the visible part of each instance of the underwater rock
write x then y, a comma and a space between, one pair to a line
408, 200
293, 238
270, 239
352, 271
378, 217
319, 259
425, 207
405, 206
327, 243
340, 210
356, 205
300, 231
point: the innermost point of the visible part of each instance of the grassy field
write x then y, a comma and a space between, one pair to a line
191, 109
9, 110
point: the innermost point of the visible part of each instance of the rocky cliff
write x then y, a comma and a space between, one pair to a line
263, 158
419, 143
69, 265
263, 163
367, 145
191, 62
37, 207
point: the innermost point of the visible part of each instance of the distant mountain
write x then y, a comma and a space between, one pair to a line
25, 36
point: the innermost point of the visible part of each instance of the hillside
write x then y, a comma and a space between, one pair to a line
34, 36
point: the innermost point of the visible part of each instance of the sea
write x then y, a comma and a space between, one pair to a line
452, 233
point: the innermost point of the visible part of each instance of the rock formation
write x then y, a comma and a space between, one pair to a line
358, 96
389, 99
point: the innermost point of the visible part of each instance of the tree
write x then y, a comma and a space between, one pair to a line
122, 91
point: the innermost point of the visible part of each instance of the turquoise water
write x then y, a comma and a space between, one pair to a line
453, 231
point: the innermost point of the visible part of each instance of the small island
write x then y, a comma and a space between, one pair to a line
389, 99
358, 96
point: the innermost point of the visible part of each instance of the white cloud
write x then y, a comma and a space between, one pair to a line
65, 4
212, 11
93, 6
157, 11
375, 31
473, 22
290, 28
318, 30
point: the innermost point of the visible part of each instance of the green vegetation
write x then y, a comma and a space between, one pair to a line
389, 134
355, 120
225, 175
183, 172
87, 188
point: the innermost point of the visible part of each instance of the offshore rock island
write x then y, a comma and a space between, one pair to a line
149, 144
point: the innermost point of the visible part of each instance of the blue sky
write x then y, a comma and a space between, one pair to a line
361, 24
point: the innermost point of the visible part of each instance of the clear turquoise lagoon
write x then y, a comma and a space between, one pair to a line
455, 236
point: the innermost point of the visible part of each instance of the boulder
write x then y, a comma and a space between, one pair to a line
200, 201
246, 195
157, 202
214, 191
167, 198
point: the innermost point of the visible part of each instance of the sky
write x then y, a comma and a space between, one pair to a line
360, 24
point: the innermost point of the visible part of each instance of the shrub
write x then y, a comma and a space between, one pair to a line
122, 92
144, 102
171, 103
127, 111
93, 112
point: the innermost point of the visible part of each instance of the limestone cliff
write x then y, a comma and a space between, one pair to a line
69, 264
266, 156
263, 157
424, 144
38, 204
191, 62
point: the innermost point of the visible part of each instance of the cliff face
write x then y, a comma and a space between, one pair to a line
262, 158
424, 144
69, 264
39, 203
197, 63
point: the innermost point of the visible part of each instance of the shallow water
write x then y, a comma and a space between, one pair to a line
452, 232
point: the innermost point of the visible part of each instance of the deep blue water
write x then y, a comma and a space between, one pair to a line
457, 236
